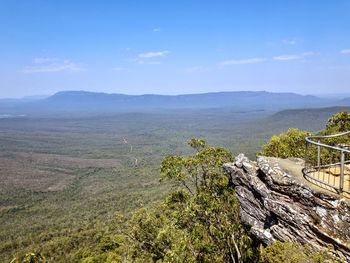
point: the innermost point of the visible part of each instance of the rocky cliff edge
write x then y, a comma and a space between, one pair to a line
280, 205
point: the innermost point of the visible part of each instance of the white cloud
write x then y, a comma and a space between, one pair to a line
154, 54
44, 60
242, 61
51, 65
118, 69
289, 41
294, 56
148, 57
287, 57
345, 51
157, 29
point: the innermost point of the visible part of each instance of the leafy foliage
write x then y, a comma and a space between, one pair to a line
289, 144
339, 122
198, 222
287, 252
30, 258
202, 171
292, 143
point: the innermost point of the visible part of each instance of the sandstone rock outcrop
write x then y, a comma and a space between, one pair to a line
280, 206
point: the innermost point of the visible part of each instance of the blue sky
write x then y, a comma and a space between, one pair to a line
174, 47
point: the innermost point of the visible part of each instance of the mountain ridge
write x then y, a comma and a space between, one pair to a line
194, 97
87, 102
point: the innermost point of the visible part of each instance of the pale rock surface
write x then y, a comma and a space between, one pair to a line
280, 206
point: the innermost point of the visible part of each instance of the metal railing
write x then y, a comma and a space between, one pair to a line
327, 161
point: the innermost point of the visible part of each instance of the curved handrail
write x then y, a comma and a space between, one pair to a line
318, 137
320, 170
328, 136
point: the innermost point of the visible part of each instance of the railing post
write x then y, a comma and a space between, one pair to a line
314, 173
342, 171
318, 156
306, 156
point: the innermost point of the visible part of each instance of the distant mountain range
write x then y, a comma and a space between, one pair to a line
345, 101
82, 101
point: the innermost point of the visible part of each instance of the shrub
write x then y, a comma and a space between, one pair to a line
289, 144
287, 252
292, 143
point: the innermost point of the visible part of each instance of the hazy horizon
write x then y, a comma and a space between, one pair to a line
42, 96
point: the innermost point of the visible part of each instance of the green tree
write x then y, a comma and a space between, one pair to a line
199, 221
289, 144
201, 171
339, 122
292, 142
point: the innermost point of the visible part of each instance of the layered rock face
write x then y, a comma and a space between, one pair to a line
281, 206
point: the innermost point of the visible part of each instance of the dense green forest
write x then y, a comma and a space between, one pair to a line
76, 189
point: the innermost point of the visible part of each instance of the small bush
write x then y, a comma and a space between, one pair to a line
287, 252
292, 143
289, 144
